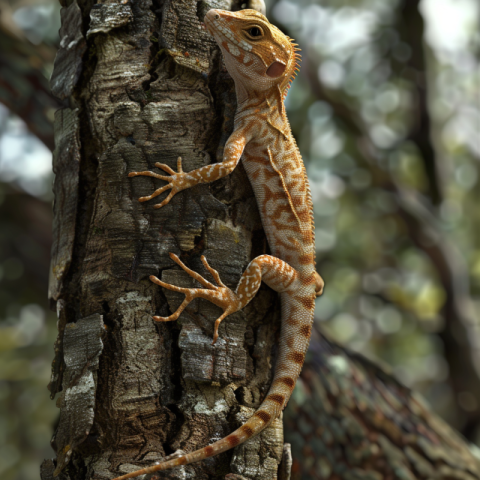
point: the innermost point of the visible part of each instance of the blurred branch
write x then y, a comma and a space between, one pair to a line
24, 88
410, 26
461, 336
348, 418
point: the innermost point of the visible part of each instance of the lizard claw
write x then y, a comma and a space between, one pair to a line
220, 295
176, 182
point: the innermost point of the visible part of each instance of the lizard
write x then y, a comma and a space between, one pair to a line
262, 62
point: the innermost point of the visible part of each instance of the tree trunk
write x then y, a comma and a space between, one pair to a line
460, 337
143, 83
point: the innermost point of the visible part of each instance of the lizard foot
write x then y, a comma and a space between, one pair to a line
176, 182
220, 295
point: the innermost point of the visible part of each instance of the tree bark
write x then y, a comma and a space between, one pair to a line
350, 419
142, 83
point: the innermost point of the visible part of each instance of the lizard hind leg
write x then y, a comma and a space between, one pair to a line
220, 295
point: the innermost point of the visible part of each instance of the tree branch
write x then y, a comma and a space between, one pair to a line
348, 417
24, 89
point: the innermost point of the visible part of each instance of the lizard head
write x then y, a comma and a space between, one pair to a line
257, 54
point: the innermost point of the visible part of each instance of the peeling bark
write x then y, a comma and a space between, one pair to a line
66, 165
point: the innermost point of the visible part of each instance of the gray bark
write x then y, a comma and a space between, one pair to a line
148, 87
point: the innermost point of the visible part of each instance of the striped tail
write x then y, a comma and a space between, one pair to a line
295, 337
254, 425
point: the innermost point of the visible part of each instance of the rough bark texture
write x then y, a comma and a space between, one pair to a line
348, 419
142, 83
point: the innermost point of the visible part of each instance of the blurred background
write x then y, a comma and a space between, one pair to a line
386, 111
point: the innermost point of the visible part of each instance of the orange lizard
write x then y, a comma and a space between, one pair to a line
262, 62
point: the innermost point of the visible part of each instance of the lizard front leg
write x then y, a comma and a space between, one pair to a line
274, 272
180, 180
177, 182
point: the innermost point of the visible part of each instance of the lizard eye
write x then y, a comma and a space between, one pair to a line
255, 32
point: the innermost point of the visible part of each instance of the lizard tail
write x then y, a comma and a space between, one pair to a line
266, 413
297, 316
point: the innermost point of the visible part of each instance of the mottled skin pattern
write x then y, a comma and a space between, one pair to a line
262, 62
